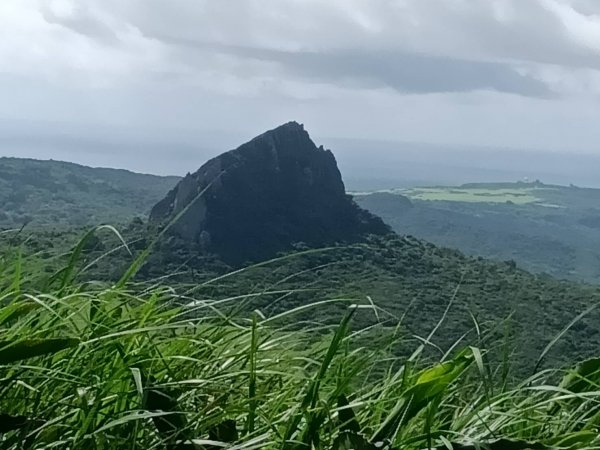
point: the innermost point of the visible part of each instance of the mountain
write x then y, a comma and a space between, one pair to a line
60, 193
259, 199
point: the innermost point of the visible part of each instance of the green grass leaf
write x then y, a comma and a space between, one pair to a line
11, 352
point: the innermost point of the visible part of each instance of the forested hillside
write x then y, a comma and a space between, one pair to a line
59, 193
128, 365
543, 228
411, 282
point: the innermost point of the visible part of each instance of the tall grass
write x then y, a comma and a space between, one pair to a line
85, 366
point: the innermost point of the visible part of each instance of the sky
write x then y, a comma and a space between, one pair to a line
160, 85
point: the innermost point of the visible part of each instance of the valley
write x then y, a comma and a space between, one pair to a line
544, 228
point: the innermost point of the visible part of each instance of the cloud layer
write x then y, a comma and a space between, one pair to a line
478, 72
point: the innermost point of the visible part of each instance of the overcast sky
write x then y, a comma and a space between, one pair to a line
145, 84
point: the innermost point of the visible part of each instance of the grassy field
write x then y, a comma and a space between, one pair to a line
518, 196
135, 366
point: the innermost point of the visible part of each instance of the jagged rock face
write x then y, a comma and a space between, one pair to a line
276, 190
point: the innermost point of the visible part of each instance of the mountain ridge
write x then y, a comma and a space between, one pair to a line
85, 166
60, 193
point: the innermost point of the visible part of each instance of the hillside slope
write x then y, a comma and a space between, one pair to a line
413, 282
489, 304
543, 228
61, 193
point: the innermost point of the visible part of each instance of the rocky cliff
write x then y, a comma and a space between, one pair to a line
259, 199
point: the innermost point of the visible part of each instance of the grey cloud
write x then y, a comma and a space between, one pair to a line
170, 67
409, 73
402, 71
83, 22
448, 47
528, 31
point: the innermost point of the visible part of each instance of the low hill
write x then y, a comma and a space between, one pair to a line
543, 228
60, 193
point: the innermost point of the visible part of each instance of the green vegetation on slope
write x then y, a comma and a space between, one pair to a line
88, 366
65, 194
544, 228
404, 276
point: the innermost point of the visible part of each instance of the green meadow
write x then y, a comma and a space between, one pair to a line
518, 196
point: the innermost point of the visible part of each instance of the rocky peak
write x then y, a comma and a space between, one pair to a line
259, 199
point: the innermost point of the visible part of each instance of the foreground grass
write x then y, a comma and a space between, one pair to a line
85, 366
110, 369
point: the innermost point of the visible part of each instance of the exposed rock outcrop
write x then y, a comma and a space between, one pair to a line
276, 190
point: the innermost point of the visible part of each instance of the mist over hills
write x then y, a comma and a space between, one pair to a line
367, 164
371, 165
